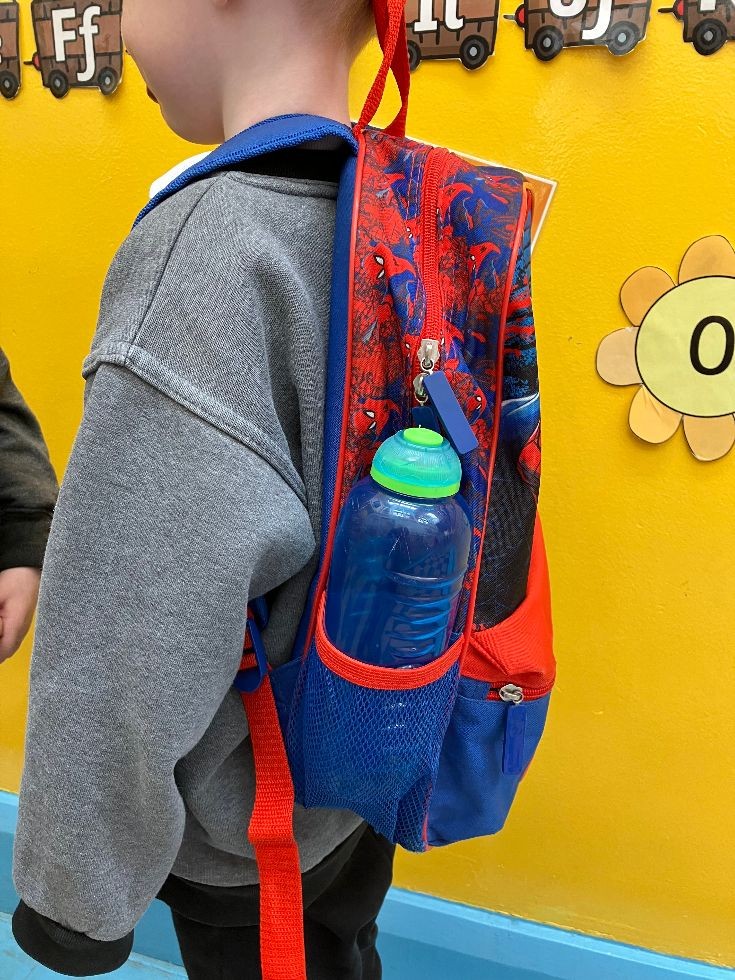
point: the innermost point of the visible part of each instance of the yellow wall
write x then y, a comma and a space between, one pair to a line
624, 825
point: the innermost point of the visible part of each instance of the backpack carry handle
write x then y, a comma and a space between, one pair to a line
390, 22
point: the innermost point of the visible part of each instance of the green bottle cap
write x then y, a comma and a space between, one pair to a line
418, 463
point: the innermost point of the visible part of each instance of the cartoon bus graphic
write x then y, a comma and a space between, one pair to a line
708, 24
464, 29
9, 54
79, 44
551, 25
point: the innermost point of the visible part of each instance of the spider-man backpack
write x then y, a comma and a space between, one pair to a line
431, 277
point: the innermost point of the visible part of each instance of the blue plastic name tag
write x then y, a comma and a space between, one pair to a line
515, 740
449, 412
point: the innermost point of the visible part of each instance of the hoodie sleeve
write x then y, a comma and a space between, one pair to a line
28, 485
165, 526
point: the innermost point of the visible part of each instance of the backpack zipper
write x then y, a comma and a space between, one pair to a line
514, 694
514, 736
433, 343
433, 335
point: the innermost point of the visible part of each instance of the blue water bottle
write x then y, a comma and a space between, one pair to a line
400, 555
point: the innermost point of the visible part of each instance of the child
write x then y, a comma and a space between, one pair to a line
27, 496
194, 484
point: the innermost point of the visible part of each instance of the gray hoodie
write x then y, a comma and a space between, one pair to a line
194, 484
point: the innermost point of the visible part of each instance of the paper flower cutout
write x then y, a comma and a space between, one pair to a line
680, 350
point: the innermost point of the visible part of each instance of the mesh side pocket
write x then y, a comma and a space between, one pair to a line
371, 749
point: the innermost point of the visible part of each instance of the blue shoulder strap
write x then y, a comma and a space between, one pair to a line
278, 133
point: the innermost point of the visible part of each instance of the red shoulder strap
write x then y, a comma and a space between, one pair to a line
390, 20
282, 954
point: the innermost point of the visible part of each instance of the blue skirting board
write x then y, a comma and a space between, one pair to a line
424, 938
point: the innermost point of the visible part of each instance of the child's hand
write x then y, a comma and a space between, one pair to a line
18, 597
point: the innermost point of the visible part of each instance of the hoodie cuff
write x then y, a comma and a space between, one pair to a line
23, 538
70, 953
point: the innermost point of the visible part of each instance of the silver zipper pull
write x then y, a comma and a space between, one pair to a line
511, 694
419, 390
514, 741
428, 356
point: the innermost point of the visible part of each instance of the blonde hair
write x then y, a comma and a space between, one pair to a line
358, 22
351, 21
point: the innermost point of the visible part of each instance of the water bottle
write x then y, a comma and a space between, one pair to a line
400, 555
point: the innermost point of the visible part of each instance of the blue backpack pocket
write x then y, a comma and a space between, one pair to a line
488, 746
508, 672
368, 739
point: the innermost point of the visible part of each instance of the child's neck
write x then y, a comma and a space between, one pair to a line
311, 81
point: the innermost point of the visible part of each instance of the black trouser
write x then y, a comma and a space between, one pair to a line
218, 933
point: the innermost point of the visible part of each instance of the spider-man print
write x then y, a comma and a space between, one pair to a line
477, 211
529, 462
